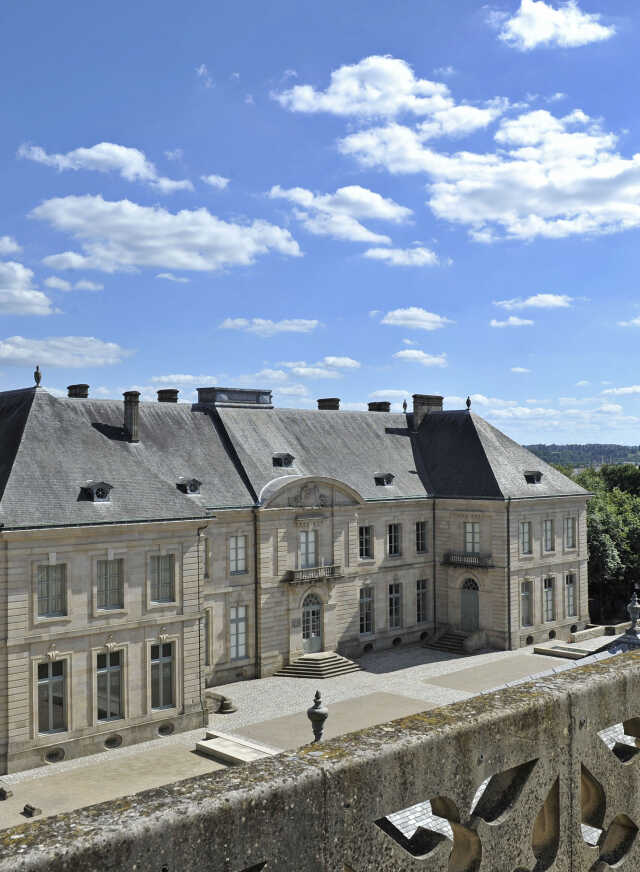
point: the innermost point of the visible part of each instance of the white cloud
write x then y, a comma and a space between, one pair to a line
277, 375
265, 327
58, 284
184, 379
315, 372
512, 321
537, 23
403, 256
415, 318
610, 408
582, 383
392, 394
174, 154
8, 245
203, 74
554, 98
520, 369
169, 277
538, 301
341, 362
292, 391
17, 294
409, 342
68, 351
416, 356
445, 71
248, 99
338, 214
121, 235
106, 157
620, 392
84, 285
219, 182
634, 322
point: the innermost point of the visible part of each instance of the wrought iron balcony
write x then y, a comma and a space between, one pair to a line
296, 576
464, 558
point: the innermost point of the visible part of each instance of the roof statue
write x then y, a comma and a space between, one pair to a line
37, 376
468, 402
404, 405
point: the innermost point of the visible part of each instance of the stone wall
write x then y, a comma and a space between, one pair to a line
554, 796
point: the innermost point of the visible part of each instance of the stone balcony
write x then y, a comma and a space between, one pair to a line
313, 573
480, 560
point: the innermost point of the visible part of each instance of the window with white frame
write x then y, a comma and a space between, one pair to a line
237, 554
111, 584
421, 601
394, 543
569, 532
472, 537
548, 599
421, 537
162, 676
525, 538
526, 603
163, 578
237, 632
366, 610
109, 674
395, 605
549, 535
52, 709
365, 543
570, 590
307, 558
52, 590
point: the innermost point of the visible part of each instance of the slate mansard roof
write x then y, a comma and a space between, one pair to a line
51, 447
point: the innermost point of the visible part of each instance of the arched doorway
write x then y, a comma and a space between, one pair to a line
469, 606
312, 624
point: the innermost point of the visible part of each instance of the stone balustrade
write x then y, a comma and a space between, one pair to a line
464, 558
297, 576
539, 776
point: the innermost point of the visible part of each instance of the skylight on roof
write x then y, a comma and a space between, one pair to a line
283, 459
532, 476
383, 479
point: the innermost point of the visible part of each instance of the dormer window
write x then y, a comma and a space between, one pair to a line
283, 459
188, 485
96, 491
383, 479
532, 476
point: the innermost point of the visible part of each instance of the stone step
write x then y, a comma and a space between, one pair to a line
451, 641
233, 749
324, 664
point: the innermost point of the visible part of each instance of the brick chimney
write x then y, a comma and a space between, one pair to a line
80, 392
131, 415
329, 403
168, 395
380, 406
424, 404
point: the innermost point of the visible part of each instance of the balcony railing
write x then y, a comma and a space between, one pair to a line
296, 576
464, 558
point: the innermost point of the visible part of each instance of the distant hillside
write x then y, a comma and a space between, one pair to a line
586, 455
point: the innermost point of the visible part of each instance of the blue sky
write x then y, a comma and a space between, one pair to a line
356, 200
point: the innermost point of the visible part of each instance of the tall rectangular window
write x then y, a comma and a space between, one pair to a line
365, 538
162, 683
570, 532
526, 603
109, 669
52, 590
472, 537
421, 537
52, 715
111, 584
163, 578
307, 549
421, 601
525, 538
366, 610
238, 632
393, 540
237, 554
549, 536
395, 605
549, 605
570, 588
207, 637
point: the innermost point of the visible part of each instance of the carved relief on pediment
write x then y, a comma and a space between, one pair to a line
309, 496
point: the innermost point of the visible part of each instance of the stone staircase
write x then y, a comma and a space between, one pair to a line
233, 750
451, 641
326, 664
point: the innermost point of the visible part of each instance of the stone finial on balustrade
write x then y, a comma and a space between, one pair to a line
317, 714
629, 641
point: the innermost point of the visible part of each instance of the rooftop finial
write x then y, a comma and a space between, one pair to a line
404, 405
317, 714
468, 403
37, 376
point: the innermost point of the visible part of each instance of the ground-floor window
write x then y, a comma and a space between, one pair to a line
549, 605
237, 632
570, 587
421, 601
162, 676
395, 605
366, 610
526, 603
109, 668
52, 714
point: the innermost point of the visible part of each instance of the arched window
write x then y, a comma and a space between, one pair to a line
469, 584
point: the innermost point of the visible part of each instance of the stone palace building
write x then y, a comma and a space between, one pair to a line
149, 550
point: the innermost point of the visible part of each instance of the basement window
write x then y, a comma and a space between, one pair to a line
532, 476
283, 459
188, 485
383, 479
96, 491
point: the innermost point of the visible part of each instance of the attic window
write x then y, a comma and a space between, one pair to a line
383, 479
96, 491
532, 476
283, 459
188, 485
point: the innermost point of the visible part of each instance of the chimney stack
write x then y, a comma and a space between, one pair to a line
80, 392
329, 403
168, 395
424, 404
380, 406
131, 414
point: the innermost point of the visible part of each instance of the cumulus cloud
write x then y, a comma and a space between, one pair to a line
169, 277
121, 235
131, 163
84, 285
17, 293
219, 182
582, 383
415, 318
417, 256
265, 327
520, 369
392, 394
184, 379
292, 391
202, 72
538, 301
512, 321
341, 362
67, 351
58, 284
537, 23
416, 356
620, 392
634, 322
8, 245
338, 214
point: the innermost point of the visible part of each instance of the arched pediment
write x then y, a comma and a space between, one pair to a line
309, 492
